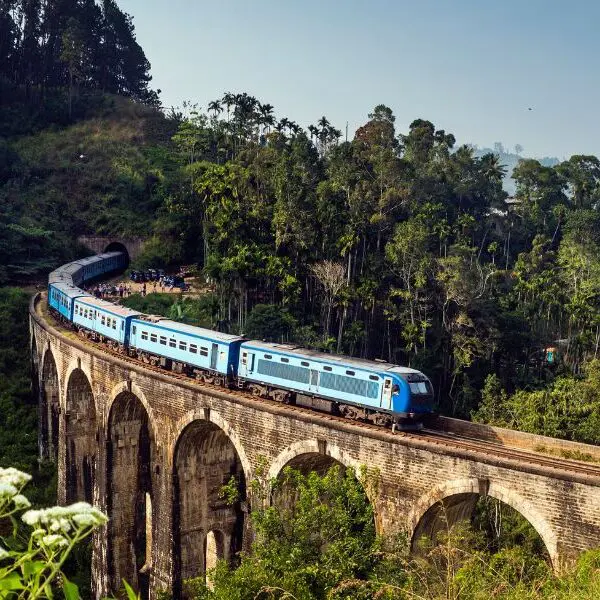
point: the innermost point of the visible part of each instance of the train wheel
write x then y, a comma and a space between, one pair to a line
281, 396
258, 391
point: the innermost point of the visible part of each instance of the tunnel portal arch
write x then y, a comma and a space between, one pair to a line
118, 247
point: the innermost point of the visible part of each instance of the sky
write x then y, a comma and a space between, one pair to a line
473, 68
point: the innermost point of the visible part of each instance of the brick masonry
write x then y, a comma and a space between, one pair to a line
153, 451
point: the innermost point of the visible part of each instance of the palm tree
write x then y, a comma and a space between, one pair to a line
284, 123
228, 100
215, 107
266, 115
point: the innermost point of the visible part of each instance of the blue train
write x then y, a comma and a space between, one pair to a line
375, 391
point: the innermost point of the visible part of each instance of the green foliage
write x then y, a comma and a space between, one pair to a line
270, 323
306, 546
568, 408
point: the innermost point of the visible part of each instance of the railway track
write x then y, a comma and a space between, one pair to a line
444, 442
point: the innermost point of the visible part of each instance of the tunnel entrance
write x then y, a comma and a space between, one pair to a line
207, 524
80, 439
118, 247
129, 456
49, 409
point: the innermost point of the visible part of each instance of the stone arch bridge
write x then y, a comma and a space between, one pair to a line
153, 449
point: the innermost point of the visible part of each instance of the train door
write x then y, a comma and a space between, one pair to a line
214, 354
386, 394
246, 364
314, 381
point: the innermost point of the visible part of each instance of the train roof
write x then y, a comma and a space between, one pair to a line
115, 309
372, 365
193, 330
69, 290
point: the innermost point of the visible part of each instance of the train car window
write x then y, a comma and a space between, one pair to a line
183, 346
269, 356
193, 348
284, 359
102, 320
373, 377
144, 335
350, 373
114, 323
153, 337
122, 325
326, 368
172, 344
304, 363
163, 340
134, 330
203, 351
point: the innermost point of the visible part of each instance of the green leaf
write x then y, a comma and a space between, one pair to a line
131, 595
70, 590
11, 582
32, 567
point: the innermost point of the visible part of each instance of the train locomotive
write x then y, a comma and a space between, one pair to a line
374, 391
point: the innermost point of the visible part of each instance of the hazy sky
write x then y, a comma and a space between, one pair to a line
473, 68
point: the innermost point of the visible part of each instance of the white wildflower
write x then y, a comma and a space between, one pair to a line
7, 490
84, 520
31, 517
14, 477
21, 502
3, 553
54, 540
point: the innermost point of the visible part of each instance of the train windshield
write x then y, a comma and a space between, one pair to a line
418, 387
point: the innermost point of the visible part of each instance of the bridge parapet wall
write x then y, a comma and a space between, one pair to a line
519, 439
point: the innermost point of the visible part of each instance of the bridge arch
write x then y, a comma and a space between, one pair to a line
49, 394
206, 526
454, 501
130, 446
311, 455
206, 414
81, 437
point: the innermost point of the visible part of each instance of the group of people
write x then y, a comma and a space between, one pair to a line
107, 290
